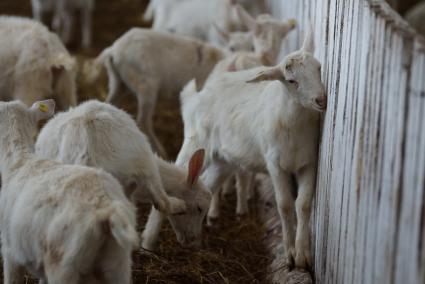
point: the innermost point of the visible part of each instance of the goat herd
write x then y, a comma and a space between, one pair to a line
67, 212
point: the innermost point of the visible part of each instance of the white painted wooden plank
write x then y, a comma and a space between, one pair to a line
351, 172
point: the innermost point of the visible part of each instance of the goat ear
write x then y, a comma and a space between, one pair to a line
246, 18
195, 166
308, 45
288, 26
43, 109
271, 74
223, 34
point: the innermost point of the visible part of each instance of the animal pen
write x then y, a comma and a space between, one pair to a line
368, 217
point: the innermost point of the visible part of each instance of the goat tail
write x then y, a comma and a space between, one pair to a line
122, 226
94, 70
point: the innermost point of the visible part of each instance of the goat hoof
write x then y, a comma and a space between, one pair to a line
241, 216
288, 259
147, 247
212, 221
303, 259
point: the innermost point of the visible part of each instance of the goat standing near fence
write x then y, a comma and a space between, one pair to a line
270, 123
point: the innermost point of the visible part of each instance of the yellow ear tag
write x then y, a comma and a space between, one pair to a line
43, 107
292, 22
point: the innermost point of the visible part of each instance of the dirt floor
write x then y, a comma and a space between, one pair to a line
233, 252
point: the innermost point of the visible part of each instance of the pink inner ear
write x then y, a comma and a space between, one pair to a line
195, 166
231, 68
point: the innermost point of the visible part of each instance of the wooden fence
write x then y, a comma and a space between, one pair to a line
369, 211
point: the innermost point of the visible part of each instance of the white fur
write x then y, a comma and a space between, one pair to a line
150, 63
158, 11
269, 39
195, 18
263, 125
99, 135
188, 227
34, 64
244, 180
267, 32
63, 223
236, 41
93, 134
254, 7
237, 61
63, 17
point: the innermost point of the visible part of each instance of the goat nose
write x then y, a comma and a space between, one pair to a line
322, 101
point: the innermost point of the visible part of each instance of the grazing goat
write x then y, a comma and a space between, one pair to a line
34, 64
63, 17
99, 135
262, 119
63, 223
150, 63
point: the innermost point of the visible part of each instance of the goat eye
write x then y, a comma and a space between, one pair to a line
232, 49
294, 83
252, 48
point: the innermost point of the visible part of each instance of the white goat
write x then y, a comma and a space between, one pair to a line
267, 33
188, 227
63, 17
63, 223
150, 63
34, 64
195, 18
262, 126
99, 135
236, 41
